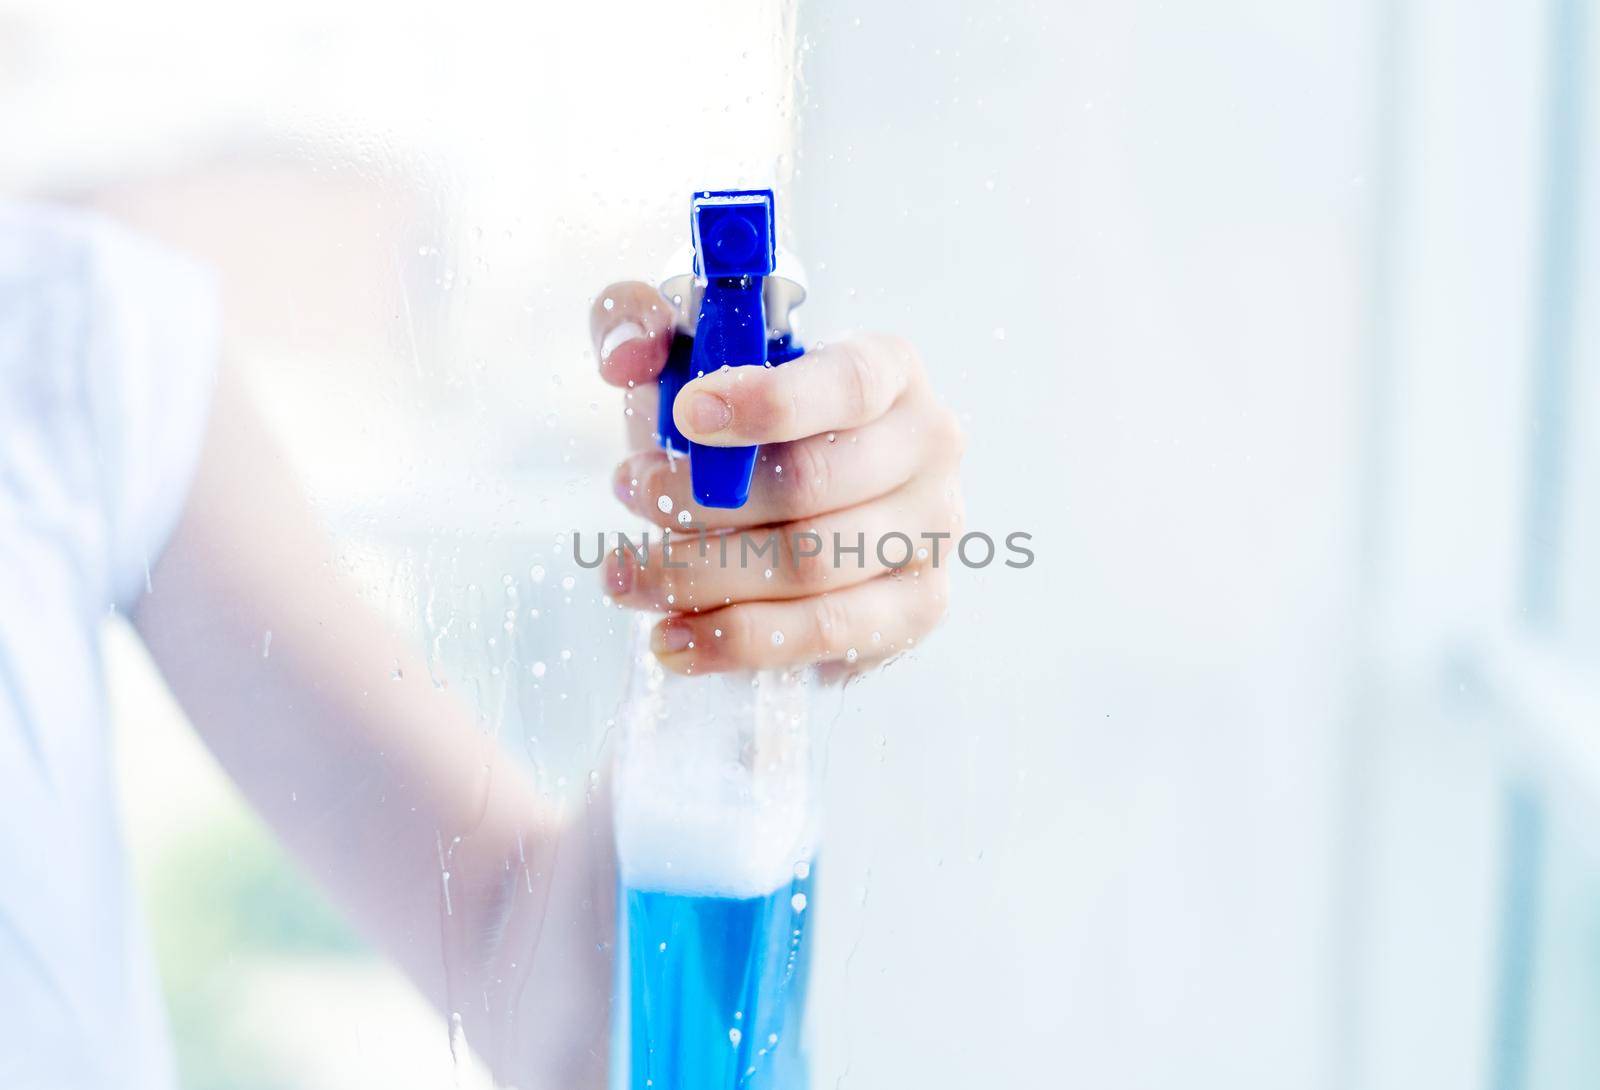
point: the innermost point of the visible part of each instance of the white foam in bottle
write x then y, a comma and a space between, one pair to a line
714, 784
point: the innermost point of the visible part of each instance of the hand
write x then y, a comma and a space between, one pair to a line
854, 446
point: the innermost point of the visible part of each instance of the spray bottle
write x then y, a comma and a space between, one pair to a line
715, 787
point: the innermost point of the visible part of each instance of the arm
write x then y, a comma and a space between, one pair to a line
432, 839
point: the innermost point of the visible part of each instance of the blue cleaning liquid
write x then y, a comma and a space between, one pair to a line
717, 989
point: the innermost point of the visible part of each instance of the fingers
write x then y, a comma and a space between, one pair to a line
870, 621
802, 479
631, 326
831, 564
791, 560
839, 386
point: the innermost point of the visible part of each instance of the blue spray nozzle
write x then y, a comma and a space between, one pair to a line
735, 234
735, 250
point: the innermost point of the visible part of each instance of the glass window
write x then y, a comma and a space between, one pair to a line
1242, 356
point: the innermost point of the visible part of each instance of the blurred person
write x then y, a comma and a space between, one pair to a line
139, 478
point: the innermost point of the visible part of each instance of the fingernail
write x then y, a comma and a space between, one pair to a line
618, 336
670, 637
619, 572
708, 413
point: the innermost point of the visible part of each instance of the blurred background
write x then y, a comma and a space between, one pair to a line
1276, 325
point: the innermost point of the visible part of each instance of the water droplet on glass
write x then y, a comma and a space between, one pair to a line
458, 1043
539, 669
665, 504
684, 518
734, 1036
798, 902
777, 638
851, 655
536, 573
568, 582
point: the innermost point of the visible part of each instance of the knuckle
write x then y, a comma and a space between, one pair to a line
678, 585
654, 483
830, 620
738, 640
654, 580
903, 350
859, 379
809, 568
909, 359
807, 479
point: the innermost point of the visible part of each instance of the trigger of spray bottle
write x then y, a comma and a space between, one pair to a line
733, 311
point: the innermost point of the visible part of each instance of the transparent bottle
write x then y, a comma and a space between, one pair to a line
714, 779
717, 827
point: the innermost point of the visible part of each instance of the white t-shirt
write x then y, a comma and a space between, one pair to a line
108, 347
